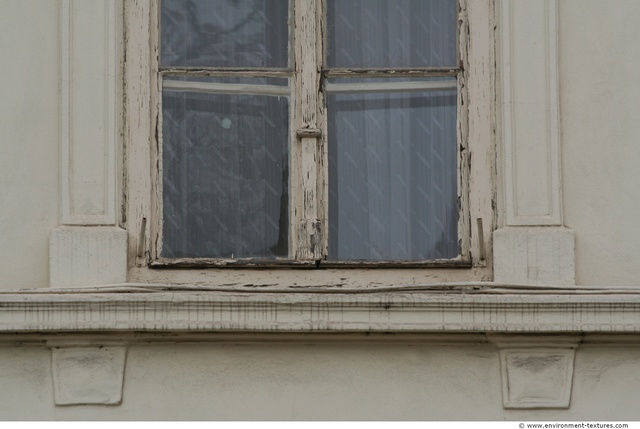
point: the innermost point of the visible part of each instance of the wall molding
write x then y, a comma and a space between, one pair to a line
472, 308
532, 246
89, 109
529, 101
88, 248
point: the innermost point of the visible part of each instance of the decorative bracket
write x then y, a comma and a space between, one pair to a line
87, 374
537, 371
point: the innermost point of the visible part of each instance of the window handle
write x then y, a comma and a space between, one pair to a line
307, 133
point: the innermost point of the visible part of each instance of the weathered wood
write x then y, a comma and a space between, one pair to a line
323, 153
386, 72
464, 153
479, 107
309, 232
168, 263
138, 129
352, 276
224, 262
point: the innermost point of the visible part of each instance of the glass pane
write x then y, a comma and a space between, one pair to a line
225, 33
392, 172
225, 168
391, 33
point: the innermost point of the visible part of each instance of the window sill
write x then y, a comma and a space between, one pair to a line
444, 308
161, 263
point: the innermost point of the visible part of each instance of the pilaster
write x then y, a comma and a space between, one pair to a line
533, 246
89, 248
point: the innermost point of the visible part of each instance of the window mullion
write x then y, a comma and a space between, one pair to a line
305, 151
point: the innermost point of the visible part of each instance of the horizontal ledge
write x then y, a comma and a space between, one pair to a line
467, 309
385, 87
225, 88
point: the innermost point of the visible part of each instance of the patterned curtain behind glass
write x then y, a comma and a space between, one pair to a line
225, 163
392, 156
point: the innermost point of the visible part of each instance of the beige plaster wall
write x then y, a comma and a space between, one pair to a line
29, 80
319, 380
599, 63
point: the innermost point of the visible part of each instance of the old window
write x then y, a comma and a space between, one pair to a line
311, 132
307, 133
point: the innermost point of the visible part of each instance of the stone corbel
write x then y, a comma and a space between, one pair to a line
87, 373
537, 371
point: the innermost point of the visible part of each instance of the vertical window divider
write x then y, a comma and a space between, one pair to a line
305, 149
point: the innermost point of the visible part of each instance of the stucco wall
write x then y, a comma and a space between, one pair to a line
600, 136
320, 380
29, 136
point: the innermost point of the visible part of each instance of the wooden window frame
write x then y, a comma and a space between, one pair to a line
476, 190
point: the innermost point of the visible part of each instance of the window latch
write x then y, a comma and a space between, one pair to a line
308, 133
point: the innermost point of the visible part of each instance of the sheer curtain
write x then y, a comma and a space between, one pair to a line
225, 155
225, 175
392, 154
391, 33
225, 33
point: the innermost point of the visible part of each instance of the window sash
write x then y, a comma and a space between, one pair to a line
308, 206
